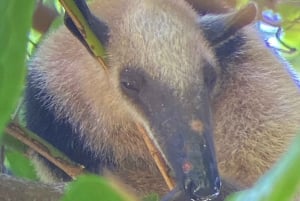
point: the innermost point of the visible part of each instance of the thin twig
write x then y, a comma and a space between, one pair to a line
155, 153
278, 37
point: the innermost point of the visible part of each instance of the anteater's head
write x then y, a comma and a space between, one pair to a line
162, 64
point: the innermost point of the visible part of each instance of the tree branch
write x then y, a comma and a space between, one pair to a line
44, 149
12, 189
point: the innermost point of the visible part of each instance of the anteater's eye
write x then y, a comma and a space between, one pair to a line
130, 85
210, 76
131, 81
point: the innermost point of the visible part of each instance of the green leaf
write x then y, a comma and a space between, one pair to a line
15, 23
280, 183
95, 188
289, 11
89, 36
290, 14
19, 165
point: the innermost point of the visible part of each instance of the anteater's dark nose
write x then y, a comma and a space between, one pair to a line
202, 189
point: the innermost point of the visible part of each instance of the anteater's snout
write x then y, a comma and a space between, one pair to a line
202, 189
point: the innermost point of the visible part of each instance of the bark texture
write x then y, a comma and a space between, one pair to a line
13, 189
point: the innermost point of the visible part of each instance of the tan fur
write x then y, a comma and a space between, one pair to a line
256, 114
43, 171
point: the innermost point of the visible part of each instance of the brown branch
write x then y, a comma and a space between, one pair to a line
43, 148
13, 189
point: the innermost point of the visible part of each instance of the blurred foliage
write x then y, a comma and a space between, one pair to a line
33, 40
278, 184
54, 4
13, 39
95, 188
284, 15
19, 165
290, 14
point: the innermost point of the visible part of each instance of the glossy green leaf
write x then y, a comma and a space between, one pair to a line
94, 188
281, 183
15, 23
20, 165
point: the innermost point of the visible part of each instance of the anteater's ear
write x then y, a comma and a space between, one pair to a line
99, 28
218, 28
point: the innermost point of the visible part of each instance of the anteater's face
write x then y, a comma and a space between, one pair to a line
167, 72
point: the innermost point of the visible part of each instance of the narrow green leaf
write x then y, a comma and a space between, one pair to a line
93, 42
15, 23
